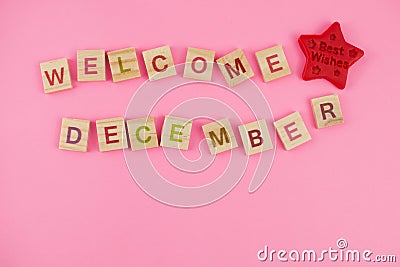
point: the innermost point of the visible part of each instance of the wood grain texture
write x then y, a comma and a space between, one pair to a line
220, 136
273, 63
255, 137
199, 64
123, 64
74, 134
142, 133
327, 111
111, 134
55, 75
159, 63
176, 132
292, 131
91, 65
235, 67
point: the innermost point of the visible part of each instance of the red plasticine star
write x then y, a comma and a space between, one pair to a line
328, 56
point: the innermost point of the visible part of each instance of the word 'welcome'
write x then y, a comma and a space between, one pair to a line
91, 66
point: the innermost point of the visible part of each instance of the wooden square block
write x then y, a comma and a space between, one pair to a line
199, 64
235, 67
292, 131
273, 63
327, 111
74, 134
159, 63
91, 65
123, 64
220, 136
55, 75
255, 137
111, 134
176, 132
142, 133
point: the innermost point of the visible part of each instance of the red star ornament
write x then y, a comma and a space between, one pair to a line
328, 56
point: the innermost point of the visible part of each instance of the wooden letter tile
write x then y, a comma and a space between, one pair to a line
74, 134
292, 131
235, 67
123, 64
142, 133
176, 132
111, 134
159, 63
327, 111
273, 63
55, 75
220, 136
255, 137
91, 65
199, 64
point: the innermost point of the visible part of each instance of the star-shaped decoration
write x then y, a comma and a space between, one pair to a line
353, 53
328, 56
316, 70
311, 44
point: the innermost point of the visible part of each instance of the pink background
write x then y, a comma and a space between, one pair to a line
61, 208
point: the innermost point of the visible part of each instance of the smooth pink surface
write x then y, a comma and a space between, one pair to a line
61, 208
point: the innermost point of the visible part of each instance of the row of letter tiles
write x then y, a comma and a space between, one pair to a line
91, 66
112, 133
